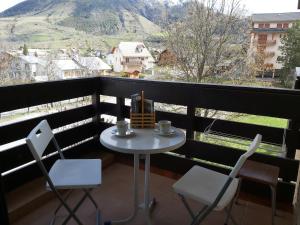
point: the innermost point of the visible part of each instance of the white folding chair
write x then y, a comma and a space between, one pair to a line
70, 174
215, 190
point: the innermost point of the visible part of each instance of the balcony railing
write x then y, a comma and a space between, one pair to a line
279, 103
132, 63
269, 30
264, 42
269, 54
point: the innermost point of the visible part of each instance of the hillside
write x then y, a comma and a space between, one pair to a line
97, 23
96, 16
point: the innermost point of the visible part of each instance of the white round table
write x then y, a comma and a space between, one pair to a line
143, 142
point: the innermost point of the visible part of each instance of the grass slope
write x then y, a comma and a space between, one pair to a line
54, 25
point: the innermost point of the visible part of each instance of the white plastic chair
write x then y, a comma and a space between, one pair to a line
215, 190
68, 174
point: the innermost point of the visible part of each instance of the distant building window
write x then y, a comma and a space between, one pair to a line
285, 25
127, 60
267, 25
262, 37
279, 25
261, 25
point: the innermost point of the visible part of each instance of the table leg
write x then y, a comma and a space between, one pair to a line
147, 189
273, 192
135, 192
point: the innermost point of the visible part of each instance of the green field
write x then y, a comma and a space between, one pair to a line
262, 120
240, 143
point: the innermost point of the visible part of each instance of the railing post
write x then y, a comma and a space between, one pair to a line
292, 139
120, 108
190, 128
293, 134
3, 208
96, 105
297, 83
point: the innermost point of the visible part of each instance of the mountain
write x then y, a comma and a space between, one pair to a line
98, 16
100, 24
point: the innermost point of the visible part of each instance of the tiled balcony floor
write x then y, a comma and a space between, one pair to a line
115, 200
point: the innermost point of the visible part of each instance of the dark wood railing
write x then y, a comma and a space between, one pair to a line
258, 101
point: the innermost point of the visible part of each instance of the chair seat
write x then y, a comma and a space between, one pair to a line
204, 185
75, 173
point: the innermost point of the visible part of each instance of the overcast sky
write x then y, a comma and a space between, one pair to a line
252, 6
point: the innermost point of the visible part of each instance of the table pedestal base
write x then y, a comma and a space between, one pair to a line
147, 206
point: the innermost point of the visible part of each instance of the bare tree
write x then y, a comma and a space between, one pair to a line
10, 70
201, 40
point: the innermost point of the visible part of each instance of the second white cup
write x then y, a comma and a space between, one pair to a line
122, 127
164, 126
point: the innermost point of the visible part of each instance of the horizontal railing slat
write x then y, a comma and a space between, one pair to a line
258, 101
27, 95
19, 130
229, 156
20, 155
76, 134
270, 134
20, 177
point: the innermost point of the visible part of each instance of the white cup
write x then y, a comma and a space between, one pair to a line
164, 126
122, 127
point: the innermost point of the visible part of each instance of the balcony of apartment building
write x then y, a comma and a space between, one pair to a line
264, 43
264, 53
132, 62
23, 198
268, 54
267, 28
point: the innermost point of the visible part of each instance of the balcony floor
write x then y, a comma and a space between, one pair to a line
115, 200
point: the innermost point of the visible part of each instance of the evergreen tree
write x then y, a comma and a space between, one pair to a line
25, 50
290, 51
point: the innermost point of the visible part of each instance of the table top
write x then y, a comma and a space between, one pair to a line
144, 141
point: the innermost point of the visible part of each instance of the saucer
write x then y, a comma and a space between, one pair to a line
129, 133
170, 133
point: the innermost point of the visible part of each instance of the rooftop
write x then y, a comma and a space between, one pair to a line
33, 60
93, 63
134, 49
276, 17
66, 64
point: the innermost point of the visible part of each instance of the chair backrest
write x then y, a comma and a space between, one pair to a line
252, 148
39, 138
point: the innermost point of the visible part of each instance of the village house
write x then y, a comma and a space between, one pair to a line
31, 66
130, 57
93, 65
5, 61
64, 69
267, 31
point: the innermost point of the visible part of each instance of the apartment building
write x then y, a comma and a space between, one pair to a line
266, 33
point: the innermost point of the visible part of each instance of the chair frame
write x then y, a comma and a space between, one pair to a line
44, 126
206, 209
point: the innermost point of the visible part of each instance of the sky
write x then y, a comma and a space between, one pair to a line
252, 6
